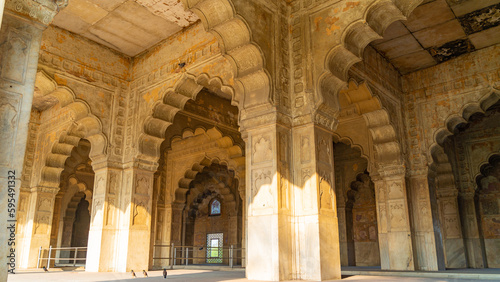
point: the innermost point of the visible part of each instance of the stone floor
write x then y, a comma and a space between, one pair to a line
189, 275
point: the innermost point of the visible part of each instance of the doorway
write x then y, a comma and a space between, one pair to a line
214, 247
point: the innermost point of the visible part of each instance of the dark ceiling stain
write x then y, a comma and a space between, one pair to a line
451, 50
481, 19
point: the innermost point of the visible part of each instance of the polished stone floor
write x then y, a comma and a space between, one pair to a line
178, 275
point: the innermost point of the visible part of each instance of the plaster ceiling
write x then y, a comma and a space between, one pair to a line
439, 30
127, 26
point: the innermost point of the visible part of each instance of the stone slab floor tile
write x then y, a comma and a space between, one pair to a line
179, 275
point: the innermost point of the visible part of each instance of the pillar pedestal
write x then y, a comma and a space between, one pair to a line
37, 231
396, 251
268, 206
20, 35
423, 227
292, 214
120, 230
472, 239
453, 242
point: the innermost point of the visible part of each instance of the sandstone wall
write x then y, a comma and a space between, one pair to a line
434, 95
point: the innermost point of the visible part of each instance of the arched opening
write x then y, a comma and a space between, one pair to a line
199, 186
213, 220
73, 207
356, 208
467, 171
81, 225
488, 202
361, 204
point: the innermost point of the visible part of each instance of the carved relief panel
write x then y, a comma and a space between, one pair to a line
397, 216
395, 190
97, 211
305, 149
262, 149
451, 227
325, 191
100, 186
42, 224
262, 194
142, 185
140, 212
283, 171
110, 211
307, 188
141, 209
15, 50
10, 104
324, 151
112, 183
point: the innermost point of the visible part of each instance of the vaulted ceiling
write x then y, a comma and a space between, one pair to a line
439, 30
436, 31
127, 26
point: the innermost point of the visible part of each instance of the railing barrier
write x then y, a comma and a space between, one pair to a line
58, 257
168, 256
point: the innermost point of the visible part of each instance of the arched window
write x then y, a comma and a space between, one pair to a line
215, 207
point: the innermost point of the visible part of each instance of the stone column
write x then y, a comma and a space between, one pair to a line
243, 232
2, 4
344, 212
471, 230
453, 242
67, 233
39, 218
135, 221
423, 227
20, 35
104, 228
120, 229
268, 206
176, 223
396, 251
316, 224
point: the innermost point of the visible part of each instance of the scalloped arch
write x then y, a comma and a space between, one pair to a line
354, 39
235, 160
190, 174
252, 82
493, 157
219, 18
337, 138
85, 126
358, 100
440, 163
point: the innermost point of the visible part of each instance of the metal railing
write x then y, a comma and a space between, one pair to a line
172, 255
72, 253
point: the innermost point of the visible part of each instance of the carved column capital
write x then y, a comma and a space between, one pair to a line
447, 193
42, 11
45, 190
467, 195
421, 171
392, 171
146, 165
256, 118
326, 117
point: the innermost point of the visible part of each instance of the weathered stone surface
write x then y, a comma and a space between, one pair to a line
144, 117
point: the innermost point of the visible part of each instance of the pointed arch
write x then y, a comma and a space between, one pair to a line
84, 126
219, 18
440, 164
490, 162
358, 101
377, 17
223, 152
251, 87
337, 138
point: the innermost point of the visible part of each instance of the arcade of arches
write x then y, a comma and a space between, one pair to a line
293, 136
